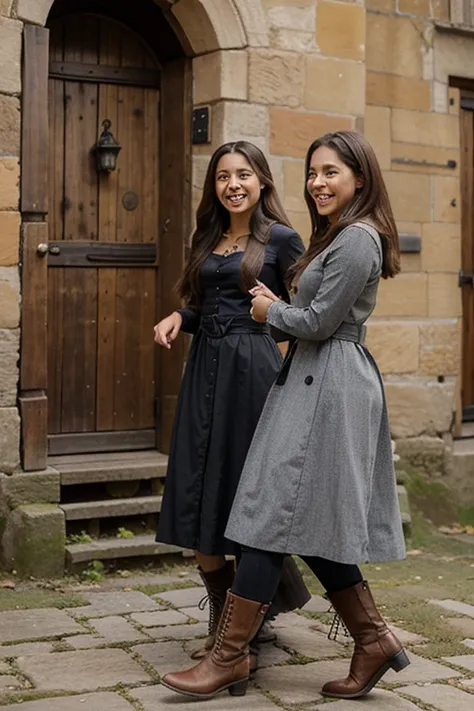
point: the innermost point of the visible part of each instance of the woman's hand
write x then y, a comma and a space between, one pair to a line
167, 330
262, 290
260, 306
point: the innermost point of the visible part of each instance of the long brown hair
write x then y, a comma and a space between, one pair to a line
212, 220
370, 202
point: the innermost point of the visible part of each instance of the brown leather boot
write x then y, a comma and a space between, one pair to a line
376, 647
228, 664
217, 583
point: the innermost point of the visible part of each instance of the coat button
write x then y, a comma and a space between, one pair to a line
309, 379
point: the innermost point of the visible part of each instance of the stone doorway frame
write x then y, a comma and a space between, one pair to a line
206, 28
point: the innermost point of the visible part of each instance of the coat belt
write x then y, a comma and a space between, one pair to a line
346, 332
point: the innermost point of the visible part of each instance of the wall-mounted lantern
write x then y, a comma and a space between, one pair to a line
107, 149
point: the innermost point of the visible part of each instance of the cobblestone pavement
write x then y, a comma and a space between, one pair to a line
110, 654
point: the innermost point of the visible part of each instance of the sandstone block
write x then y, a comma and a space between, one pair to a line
441, 10
292, 132
426, 129
9, 297
340, 30
9, 345
385, 6
296, 17
444, 296
220, 75
301, 223
236, 120
276, 166
335, 85
410, 262
9, 238
270, 4
292, 40
424, 154
34, 11
414, 7
406, 295
9, 179
10, 55
394, 45
34, 540
5, 7
294, 181
401, 92
210, 25
410, 196
30, 488
439, 93
9, 439
9, 125
440, 348
419, 406
424, 453
446, 199
377, 132
292, 27
452, 54
395, 346
276, 77
441, 247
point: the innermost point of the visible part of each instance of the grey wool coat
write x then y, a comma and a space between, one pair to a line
319, 479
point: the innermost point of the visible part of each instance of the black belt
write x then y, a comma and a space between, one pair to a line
216, 326
346, 332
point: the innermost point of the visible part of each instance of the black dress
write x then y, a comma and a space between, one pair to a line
232, 364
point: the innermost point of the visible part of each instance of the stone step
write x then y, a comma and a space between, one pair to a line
116, 548
112, 507
97, 468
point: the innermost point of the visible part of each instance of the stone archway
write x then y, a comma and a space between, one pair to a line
208, 24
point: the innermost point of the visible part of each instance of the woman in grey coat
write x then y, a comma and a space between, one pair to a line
318, 479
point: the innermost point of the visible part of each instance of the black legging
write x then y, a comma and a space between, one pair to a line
259, 573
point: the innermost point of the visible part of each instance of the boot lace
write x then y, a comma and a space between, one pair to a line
223, 627
337, 625
214, 611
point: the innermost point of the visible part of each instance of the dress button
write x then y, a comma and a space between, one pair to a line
309, 379
217, 288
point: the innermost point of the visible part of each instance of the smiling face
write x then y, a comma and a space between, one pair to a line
331, 183
237, 184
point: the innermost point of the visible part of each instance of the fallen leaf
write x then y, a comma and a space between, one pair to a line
8, 584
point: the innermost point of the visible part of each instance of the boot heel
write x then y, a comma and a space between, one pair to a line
399, 661
239, 689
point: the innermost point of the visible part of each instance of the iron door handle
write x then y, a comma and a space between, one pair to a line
42, 249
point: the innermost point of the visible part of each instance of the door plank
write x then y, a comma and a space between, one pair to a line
107, 278
34, 429
34, 137
175, 191
467, 255
33, 368
80, 222
55, 347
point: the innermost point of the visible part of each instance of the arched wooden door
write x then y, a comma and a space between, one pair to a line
104, 251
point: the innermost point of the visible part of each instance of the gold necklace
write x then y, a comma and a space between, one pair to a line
234, 247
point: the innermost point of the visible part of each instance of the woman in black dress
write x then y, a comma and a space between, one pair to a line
242, 236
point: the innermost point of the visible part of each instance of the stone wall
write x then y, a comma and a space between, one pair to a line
279, 73
410, 114
10, 49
